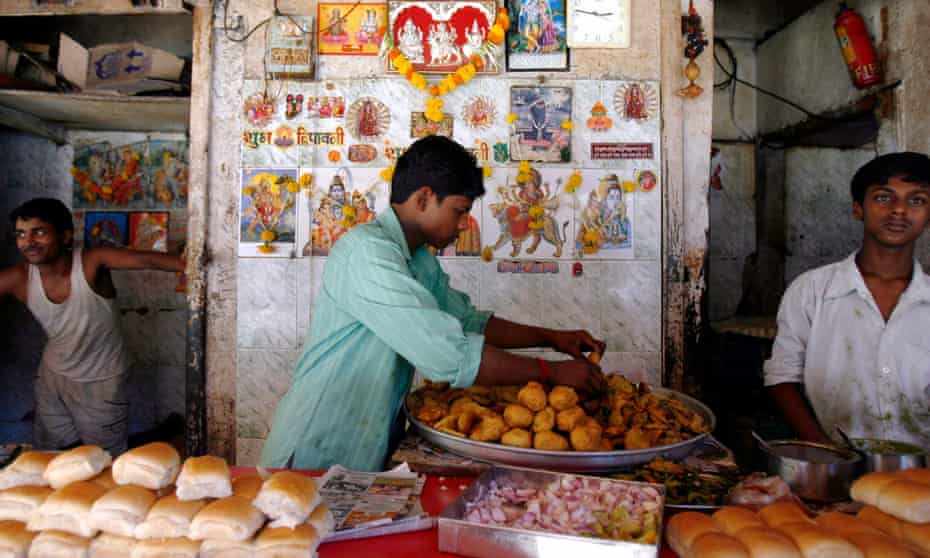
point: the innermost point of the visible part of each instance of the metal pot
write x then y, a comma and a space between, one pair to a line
889, 455
814, 471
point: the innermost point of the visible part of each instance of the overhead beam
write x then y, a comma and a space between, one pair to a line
25, 122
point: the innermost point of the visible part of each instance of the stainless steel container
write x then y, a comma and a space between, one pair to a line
814, 471
570, 461
458, 536
889, 455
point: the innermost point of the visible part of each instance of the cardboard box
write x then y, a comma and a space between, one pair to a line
122, 67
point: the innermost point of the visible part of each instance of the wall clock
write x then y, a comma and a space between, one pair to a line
598, 23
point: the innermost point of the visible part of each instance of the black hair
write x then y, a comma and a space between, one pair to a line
440, 163
907, 166
50, 210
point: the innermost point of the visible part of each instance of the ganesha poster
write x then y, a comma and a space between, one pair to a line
110, 177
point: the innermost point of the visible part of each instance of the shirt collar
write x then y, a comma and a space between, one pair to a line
390, 224
848, 279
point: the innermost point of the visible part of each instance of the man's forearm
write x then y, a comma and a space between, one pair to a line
499, 367
797, 412
163, 262
511, 335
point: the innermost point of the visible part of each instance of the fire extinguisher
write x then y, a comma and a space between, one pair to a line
856, 44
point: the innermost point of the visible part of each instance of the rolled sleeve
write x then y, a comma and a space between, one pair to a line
794, 326
406, 316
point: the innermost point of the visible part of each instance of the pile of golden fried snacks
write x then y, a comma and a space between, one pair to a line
628, 416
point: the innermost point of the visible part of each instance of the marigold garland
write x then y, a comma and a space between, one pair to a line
462, 75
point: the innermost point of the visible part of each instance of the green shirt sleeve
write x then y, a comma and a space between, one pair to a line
379, 291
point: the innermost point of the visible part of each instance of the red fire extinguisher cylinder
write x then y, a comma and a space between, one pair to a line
856, 44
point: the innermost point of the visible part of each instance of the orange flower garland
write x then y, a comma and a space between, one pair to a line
462, 75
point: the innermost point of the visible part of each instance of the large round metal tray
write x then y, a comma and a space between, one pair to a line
570, 461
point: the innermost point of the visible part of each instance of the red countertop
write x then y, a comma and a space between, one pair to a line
438, 493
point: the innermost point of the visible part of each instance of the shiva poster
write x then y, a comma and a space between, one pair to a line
604, 216
339, 200
542, 129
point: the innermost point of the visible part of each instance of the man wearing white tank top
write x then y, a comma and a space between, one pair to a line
81, 384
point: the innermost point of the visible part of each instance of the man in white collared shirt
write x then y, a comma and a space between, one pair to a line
854, 336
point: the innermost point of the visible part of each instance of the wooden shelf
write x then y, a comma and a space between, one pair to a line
89, 7
101, 112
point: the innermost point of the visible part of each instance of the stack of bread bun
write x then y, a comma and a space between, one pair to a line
782, 530
147, 505
897, 504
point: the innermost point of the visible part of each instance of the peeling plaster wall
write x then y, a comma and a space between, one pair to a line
153, 314
259, 308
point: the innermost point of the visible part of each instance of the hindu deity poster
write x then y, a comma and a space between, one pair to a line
527, 215
166, 169
148, 231
542, 130
268, 213
604, 216
110, 177
106, 229
536, 39
439, 36
341, 198
347, 28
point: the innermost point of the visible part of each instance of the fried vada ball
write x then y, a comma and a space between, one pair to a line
517, 437
448, 422
460, 405
549, 440
533, 396
518, 416
431, 411
489, 429
565, 420
465, 421
544, 420
606, 445
562, 398
586, 437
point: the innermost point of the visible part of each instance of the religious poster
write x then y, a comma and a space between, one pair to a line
148, 231
439, 36
106, 229
536, 38
542, 129
167, 172
110, 177
268, 211
604, 216
340, 199
347, 28
290, 47
526, 214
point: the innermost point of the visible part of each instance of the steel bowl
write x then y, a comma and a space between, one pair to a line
889, 455
570, 461
814, 471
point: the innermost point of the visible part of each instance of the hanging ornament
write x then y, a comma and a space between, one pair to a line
695, 43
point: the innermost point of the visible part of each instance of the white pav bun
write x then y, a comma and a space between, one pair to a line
106, 545
218, 548
282, 542
232, 518
58, 544
121, 510
287, 498
322, 520
169, 518
204, 477
179, 547
14, 539
79, 464
152, 466
26, 470
20, 502
68, 510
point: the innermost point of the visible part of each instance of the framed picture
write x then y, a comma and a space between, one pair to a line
268, 211
536, 38
351, 28
290, 47
438, 36
539, 133
106, 229
108, 177
148, 231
